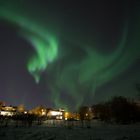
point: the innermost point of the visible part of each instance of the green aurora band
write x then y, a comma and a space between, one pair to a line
44, 44
65, 76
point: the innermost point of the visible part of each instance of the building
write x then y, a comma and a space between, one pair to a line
71, 116
8, 110
55, 114
39, 111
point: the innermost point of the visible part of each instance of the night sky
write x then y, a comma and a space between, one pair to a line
66, 53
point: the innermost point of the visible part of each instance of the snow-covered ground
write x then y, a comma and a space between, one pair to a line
98, 131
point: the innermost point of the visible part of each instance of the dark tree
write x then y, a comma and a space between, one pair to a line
119, 110
84, 113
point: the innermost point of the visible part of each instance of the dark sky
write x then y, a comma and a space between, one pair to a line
80, 26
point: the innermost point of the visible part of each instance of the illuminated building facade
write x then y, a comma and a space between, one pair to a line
55, 114
8, 110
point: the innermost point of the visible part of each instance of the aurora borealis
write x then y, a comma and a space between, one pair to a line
44, 44
80, 52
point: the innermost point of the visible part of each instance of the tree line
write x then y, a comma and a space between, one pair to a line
117, 110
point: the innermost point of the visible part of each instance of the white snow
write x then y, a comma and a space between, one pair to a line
98, 131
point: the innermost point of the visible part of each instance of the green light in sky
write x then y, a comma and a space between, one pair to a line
44, 43
79, 78
46, 52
